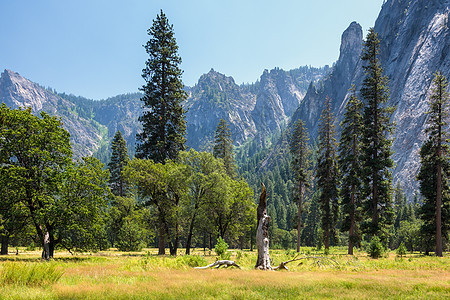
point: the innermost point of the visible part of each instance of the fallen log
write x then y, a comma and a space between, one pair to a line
319, 259
219, 263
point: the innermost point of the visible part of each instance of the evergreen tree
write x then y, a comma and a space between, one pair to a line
119, 160
376, 143
163, 121
434, 173
223, 147
299, 152
350, 167
328, 175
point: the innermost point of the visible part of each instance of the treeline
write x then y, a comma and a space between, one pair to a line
49, 200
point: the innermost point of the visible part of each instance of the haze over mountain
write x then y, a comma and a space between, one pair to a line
414, 44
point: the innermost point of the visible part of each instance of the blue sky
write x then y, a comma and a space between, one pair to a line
93, 48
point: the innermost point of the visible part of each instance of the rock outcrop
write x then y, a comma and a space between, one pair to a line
252, 111
17, 91
414, 44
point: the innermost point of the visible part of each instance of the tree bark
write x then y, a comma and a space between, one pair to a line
299, 225
46, 246
439, 210
262, 233
190, 233
352, 221
5, 241
162, 239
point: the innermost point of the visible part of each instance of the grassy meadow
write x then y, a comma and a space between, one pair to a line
144, 275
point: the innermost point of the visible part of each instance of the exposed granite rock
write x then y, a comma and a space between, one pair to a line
252, 111
16, 91
414, 44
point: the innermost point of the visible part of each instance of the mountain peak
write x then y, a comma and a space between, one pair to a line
351, 43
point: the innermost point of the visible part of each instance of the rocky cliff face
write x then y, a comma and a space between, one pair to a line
16, 91
414, 44
252, 111
336, 84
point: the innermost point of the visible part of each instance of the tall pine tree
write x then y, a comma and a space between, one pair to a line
223, 147
119, 160
434, 174
350, 167
163, 121
376, 143
328, 175
300, 153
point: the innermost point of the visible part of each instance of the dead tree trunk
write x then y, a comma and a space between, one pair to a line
262, 233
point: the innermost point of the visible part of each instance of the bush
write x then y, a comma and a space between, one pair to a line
221, 249
376, 248
401, 250
193, 260
131, 236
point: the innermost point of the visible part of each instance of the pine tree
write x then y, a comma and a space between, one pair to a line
119, 160
376, 143
434, 173
163, 121
300, 152
328, 174
350, 167
223, 147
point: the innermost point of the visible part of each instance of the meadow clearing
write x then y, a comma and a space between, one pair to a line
144, 275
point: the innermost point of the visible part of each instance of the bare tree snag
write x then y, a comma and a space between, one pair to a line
219, 263
262, 233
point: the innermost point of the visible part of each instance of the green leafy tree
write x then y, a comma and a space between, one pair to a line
126, 212
163, 187
37, 151
300, 153
376, 143
119, 159
205, 174
80, 210
132, 235
401, 250
376, 248
328, 175
434, 173
223, 147
164, 127
350, 168
13, 213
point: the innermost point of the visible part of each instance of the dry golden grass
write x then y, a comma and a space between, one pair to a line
115, 275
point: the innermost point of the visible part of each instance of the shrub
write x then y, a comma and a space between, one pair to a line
193, 260
401, 250
131, 236
376, 248
221, 249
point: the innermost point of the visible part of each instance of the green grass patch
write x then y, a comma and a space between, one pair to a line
30, 274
